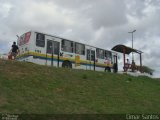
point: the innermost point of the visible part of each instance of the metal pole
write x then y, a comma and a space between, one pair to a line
58, 53
132, 44
141, 62
124, 52
52, 54
90, 58
132, 48
94, 60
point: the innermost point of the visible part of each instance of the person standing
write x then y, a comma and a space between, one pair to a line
107, 67
128, 62
128, 65
14, 50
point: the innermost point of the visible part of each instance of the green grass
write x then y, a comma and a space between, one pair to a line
30, 88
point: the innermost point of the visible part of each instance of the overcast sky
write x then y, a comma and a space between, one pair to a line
101, 23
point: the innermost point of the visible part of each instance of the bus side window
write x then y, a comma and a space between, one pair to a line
72, 48
100, 53
40, 40
80, 48
62, 45
67, 46
108, 54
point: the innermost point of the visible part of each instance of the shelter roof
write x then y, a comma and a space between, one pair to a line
128, 50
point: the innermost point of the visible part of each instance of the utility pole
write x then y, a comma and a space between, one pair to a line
132, 44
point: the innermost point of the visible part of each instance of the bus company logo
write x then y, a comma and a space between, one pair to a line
24, 39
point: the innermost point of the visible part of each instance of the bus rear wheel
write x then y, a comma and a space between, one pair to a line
67, 64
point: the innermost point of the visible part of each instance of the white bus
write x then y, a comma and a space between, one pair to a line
45, 49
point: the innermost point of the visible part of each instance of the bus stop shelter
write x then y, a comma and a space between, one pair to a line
127, 50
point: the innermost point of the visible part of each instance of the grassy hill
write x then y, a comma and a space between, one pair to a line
30, 88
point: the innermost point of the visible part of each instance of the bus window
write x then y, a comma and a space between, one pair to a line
90, 55
80, 49
52, 47
49, 47
56, 47
67, 46
108, 55
100, 53
40, 40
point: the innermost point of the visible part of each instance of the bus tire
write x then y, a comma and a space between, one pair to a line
67, 64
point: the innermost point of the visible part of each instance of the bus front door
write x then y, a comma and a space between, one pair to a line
91, 59
52, 52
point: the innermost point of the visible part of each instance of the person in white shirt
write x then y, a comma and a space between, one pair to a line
128, 62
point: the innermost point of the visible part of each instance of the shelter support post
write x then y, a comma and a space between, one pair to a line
124, 57
140, 62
